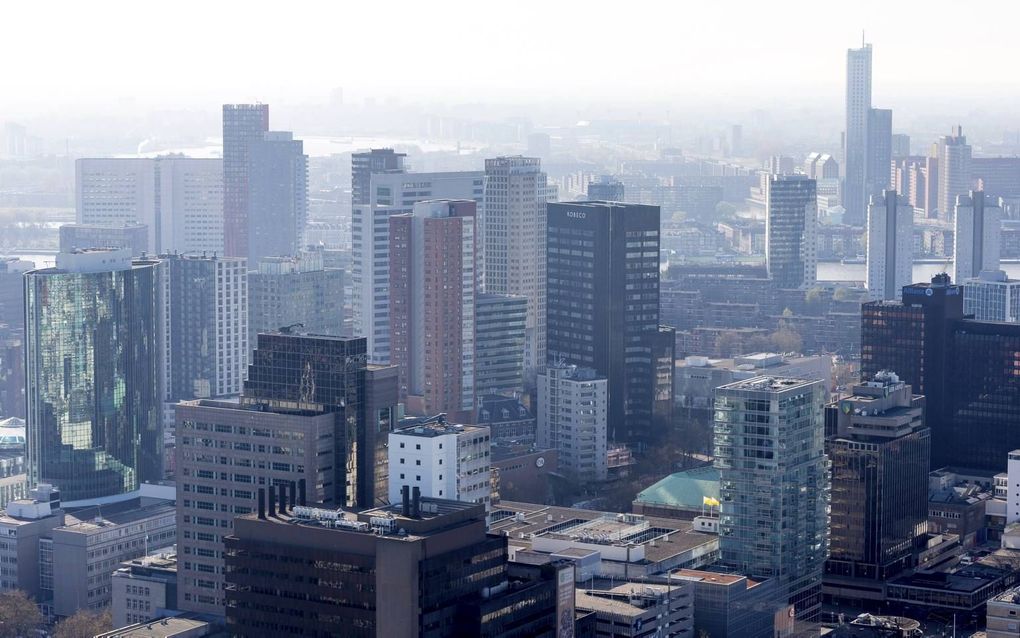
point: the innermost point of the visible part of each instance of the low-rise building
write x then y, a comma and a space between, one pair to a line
573, 419
1002, 619
683, 495
730, 605
144, 589
509, 421
185, 626
443, 460
632, 609
523, 472
957, 504
23, 525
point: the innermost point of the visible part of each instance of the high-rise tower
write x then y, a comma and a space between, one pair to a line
242, 124
858, 113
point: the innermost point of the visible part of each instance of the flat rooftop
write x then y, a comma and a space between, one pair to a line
521, 522
411, 426
769, 384
162, 628
95, 518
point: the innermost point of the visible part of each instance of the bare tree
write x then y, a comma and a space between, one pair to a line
84, 624
19, 616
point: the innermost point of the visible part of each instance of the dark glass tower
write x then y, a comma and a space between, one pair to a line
92, 351
968, 370
277, 196
242, 124
879, 500
313, 373
603, 305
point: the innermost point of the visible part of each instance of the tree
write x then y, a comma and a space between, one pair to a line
813, 295
842, 294
84, 624
19, 617
786, 339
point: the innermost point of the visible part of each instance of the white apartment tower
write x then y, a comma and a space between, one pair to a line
858, 112
890, 245
978, 226
391, 194
573, 419
180, 199
442, 460
513, 226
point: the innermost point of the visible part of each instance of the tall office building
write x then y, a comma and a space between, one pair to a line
879, 167
204, 325
286, 291
858, 114
879, 501
954, 170
900, 145
573, 418
978, 224
313, 414
441, 460
791, 223
967, 370
512, 226
433, 283
242, 124
774, 484
277, 195
178, 199
499, 344
992, 296
606, 188
603, 306
890, 245
391, 193
363, 165
92, 352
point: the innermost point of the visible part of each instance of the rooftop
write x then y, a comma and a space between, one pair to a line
685, 489
662, 538
432, 426
701, 575
769, 384
162, 628
88, 520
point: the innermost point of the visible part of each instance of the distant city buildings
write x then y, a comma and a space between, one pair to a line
791, 225
93, 355
393, 192
242, 125
953, 155
606, 188
277, 196
573, 419
134, 237
512, 235
774, 484
433, 282
890, 255
603, 310
178, 199
287, 291
978, 224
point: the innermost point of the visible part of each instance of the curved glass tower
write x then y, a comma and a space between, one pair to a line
94, 421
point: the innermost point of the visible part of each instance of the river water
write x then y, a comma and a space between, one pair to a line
835, 271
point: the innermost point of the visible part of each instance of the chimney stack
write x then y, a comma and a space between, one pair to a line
416, 502
262, 503
283, 498
405, 501
272, 501
302, 496
292, 488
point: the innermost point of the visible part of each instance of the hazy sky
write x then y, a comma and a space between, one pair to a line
188, 52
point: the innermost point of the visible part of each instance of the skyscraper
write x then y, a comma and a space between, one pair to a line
433, 283
978, 224
858, 114
513, 229
204, 325
499, 344
992, 296
791, 222
954, 171
890, 245
880, 461
178, 199
242, 124
277, 195
392, 193
92, 351
603, 306
606, 188
879, 152
774, 484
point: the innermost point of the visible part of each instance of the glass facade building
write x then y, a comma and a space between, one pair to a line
603, 307
92, 351
774, 484
499, 344
791, 221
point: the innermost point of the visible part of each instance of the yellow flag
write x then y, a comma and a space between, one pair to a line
711, 502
